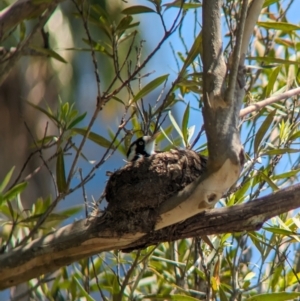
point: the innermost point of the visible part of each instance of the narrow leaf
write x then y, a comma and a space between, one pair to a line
271, 81
12, 193
184, 125
149, 87
287, 175
82, 290
51, 116
137, 9
60, 172
274, 297
263, 129
124, 23
269, 181
6, 179
195, 50
281, 151
279, 26
176, 126
49, 52
178, 4
272, 60
77, 120
93, 137
170, 297
280, 231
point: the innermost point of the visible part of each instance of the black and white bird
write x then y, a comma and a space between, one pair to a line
142, 147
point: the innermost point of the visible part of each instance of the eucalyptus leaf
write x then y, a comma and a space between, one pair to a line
150, 87
137, 9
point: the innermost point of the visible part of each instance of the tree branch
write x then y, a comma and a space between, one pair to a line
7, 66
19, 11
91, 236
261, 104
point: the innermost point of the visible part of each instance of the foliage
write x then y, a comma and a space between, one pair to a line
260, 265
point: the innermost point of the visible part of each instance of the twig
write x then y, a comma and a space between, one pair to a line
99, 104
41, 155
97, 281
128, 275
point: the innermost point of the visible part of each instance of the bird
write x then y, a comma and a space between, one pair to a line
142, 147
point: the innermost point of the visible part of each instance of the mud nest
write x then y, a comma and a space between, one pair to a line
135, 191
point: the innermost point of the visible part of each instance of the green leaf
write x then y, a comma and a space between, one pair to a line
262, 130
93, 137
287, 175
117, 143
82, 290
149, 87
64, 110
249, 276
269, 2
178, 3
14, 191
274, 297
22, 31
195, 50
170, 297
124, 23
49, 52
280, 151
100, 11
60, 172
77, 120
50, 115
184, 125
116, 286
137, 9
6, 179
167, 103
176, 126
279, 26
294, 136
272, 60
271, 81
97, 46
268, 180
280, 231
52, 217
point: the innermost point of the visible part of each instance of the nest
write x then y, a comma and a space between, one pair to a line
135, 191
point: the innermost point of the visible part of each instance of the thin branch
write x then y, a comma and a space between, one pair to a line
99, 103
261, 104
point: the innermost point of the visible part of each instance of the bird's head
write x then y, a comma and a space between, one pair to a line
142, 147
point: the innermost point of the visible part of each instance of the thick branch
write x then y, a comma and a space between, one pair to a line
220, 116
90, 236
6, 67
20, 11
252, 17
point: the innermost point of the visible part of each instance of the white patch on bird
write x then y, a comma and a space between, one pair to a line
132, 153
149, 145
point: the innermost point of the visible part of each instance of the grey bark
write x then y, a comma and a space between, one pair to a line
91, 236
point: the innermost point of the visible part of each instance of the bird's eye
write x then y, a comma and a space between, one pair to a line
141, 142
